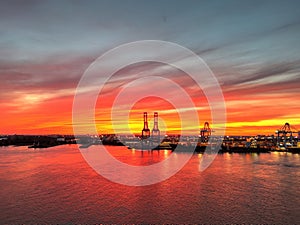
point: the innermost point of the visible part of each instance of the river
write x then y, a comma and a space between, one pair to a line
56, 186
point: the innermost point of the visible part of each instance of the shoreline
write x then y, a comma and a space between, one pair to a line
179, 149
228, 145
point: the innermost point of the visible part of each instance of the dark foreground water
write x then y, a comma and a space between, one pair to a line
56, 186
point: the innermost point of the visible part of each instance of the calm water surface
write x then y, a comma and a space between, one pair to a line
57, 186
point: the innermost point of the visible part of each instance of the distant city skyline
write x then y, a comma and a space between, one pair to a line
252, 47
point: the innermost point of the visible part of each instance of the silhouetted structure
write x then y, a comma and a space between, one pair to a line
205, 132
155, 130
145, 131
285, 134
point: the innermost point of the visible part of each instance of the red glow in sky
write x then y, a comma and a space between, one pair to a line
249, 110
45, 47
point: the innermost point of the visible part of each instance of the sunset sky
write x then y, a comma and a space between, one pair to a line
252, 47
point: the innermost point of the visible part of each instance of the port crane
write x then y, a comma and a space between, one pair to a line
146, 130
205, 132
285, 134
155, 135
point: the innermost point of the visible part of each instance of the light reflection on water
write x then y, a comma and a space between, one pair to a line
138, 157
56, 185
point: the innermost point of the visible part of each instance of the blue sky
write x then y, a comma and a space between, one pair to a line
255, 29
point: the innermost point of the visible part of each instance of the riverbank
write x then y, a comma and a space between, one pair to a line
84, 141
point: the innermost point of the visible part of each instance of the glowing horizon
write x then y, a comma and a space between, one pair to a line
253, 52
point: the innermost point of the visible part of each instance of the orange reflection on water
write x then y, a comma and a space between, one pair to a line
137, 157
